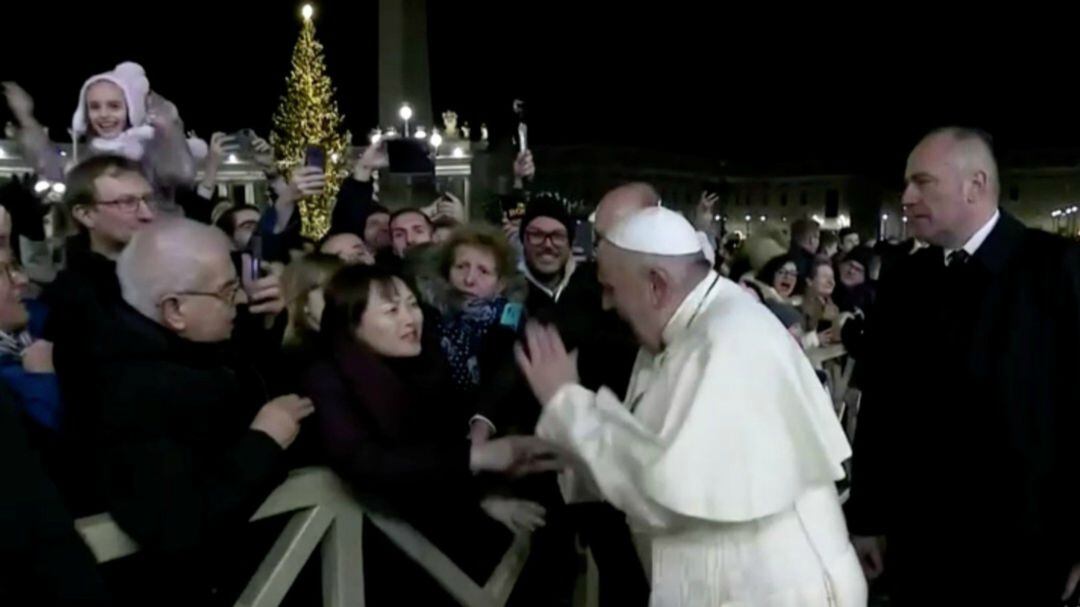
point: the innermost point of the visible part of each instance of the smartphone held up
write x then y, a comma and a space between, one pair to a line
315, 156
251, 268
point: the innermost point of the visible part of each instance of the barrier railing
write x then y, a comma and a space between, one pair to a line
326, 514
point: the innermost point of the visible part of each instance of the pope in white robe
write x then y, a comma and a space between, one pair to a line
725, 453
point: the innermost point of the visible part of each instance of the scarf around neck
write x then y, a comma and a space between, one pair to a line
462, 334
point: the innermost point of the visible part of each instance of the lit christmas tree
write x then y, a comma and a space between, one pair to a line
308, 116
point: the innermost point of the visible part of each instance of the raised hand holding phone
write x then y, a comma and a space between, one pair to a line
262, 284
307, 181
221, 145
449, 206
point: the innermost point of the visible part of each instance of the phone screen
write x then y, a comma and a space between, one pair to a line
251, 263
243, 139
315, 157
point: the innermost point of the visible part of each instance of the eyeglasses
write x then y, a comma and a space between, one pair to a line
227, 294
12, 270
126, 204
788, 273
537, 238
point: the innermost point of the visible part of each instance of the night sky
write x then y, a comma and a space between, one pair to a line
806, 93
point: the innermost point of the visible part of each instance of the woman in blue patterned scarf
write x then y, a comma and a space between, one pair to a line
478, 266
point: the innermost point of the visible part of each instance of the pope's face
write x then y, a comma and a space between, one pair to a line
629, 292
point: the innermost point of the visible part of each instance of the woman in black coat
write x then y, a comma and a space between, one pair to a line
394, 427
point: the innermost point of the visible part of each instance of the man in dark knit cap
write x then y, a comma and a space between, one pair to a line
546, 233
567, 294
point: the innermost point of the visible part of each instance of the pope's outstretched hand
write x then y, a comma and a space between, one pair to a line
544, 361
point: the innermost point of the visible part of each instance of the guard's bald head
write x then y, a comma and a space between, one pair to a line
169, 256
621, 202
952, 186
970, 151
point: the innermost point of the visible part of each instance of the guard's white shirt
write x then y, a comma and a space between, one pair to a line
978, 237
723, 458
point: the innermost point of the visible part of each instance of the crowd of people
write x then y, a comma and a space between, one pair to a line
172, 355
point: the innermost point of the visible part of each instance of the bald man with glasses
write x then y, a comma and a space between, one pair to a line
191, 436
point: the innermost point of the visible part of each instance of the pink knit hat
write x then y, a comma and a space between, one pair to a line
131, 78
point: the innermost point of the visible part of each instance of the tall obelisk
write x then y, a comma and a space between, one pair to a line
404, 75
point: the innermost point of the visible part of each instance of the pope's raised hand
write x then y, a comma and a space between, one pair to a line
544, 361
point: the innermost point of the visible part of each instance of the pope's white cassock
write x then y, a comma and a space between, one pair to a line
723, 456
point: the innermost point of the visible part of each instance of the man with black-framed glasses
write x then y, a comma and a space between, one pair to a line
567, 294
546, 233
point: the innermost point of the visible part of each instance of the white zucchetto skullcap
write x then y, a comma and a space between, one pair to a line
657, 231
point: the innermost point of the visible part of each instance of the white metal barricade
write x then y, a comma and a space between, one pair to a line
326, 514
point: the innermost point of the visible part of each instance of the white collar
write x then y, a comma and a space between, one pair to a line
568, 271
978, 237
689, 309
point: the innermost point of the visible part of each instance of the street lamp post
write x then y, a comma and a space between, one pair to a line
406, 114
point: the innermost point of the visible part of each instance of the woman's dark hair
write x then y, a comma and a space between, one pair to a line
768, 272
347, 297
302, 276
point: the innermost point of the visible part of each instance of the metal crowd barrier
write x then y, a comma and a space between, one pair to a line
327, 514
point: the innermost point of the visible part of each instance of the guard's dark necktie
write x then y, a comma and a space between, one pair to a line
957, 259
957, 274
957, 265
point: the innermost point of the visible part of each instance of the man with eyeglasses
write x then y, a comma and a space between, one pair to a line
109, 198
568, 295
191, 438
546, 233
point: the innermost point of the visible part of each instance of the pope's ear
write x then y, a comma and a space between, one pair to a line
659, 287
